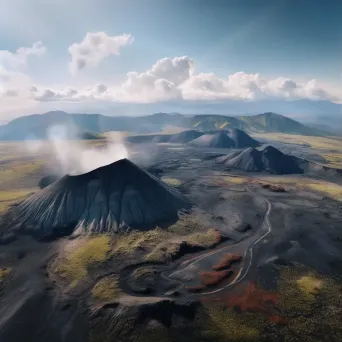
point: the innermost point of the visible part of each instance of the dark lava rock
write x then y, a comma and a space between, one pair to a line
21, 255
164, 310
7, 238
243, 227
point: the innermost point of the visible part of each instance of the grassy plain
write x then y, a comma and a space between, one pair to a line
20, 173
329, 189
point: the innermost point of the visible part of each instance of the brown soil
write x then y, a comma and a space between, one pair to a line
213, 278
226, 261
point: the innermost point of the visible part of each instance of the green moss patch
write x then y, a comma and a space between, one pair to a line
107, 289
4, 272
74, 266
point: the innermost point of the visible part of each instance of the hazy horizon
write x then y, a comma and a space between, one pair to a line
142, 57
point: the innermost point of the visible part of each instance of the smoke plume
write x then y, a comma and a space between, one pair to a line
74, 157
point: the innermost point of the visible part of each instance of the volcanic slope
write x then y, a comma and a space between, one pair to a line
269, 159
103, 200
185, 136
233, 138
217, 140
242, 139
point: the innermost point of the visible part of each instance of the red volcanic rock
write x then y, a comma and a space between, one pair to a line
213, 278
226, 261
273, 187
254, 299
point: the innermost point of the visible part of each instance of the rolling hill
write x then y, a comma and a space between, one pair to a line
266, 122
88, 125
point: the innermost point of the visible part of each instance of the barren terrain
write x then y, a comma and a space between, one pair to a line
257, 258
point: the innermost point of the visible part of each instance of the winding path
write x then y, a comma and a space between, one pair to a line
247, 258
248, 253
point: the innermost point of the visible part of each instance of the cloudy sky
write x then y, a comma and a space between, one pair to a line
69, 54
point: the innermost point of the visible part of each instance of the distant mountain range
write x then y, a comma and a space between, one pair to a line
266, 122
303, 108
38, 126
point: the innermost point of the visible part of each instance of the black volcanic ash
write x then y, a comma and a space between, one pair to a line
217, 140
232, 138
103, 200
269, 159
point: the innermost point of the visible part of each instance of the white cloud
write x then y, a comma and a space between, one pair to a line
247, 87
174, 79
100, 88
47, 94
176, 70
168, 79
95, 47
15, 94
21, 55
160, 83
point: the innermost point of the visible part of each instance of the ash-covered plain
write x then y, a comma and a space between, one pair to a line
180, 246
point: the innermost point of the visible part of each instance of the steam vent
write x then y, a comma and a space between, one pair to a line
103, 200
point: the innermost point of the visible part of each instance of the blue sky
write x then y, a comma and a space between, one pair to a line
282, 41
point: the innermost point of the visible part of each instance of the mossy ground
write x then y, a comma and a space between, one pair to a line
229, 180
325, 188
10, 197
77, 261
189, 223
223, 324
19, 173
333, 159
329, 189
107, 289
311, 304
331, 143
142, 272
205, 239
128, 244
164, 251
159, 244
4, 272
16, 171
309, 284
171, 181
